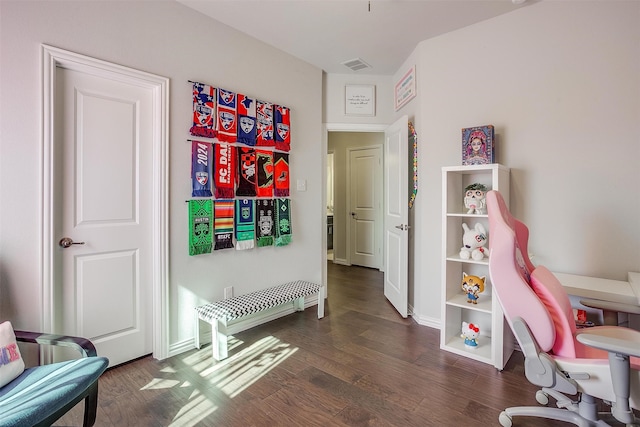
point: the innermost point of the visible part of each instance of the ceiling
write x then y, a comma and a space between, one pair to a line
327, 33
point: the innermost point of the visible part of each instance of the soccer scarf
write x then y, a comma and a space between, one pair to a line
264, 222
204, 110
281, 174
246, 175
225, 170
200, 222
201, 156
223, 224
282, 125
264, 117
227, 118
264, 173
283, 222
244, 224
246, 120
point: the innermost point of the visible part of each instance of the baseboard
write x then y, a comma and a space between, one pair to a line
242, 324
341, 261
432, 322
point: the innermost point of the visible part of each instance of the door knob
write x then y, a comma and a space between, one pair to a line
353, 214
65, 242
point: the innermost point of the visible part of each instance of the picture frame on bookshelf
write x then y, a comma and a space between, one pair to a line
478, 145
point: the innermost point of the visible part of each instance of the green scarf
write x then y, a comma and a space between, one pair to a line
264, 222
200, 224
283, 222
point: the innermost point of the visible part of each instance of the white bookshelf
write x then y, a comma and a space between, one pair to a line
496, 342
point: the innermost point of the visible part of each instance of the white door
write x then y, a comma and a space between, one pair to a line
396, 215
104, 203
364, 206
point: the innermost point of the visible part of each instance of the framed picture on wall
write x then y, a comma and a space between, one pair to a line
405, 89
360, 100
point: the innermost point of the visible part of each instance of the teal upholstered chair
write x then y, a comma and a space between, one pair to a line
42, 394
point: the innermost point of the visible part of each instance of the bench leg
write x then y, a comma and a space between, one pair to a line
219, 337
298, 304
196, 331
321, 302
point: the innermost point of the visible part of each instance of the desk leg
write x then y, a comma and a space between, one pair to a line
610, 318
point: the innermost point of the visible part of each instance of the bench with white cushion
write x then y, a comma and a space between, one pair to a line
217, 314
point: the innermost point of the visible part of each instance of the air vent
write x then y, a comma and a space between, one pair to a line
356, 64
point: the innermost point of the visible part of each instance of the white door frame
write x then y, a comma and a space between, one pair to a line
336, 127
52, 58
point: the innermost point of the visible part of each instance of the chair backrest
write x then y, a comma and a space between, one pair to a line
531, 293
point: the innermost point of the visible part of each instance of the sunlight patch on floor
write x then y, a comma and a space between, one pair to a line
197, 408
160, 383
231, 376
235, 374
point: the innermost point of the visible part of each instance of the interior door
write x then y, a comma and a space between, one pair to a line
103, 213
396, 215
365, 183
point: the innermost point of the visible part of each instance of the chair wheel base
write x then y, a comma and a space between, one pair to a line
505, 420
542, 397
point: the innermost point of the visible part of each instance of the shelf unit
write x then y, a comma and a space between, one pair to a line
496, 341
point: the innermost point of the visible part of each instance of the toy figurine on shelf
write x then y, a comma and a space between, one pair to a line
473, 243
473, 286
474, 198
470, 333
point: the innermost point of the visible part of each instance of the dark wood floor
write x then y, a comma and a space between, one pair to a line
362, 365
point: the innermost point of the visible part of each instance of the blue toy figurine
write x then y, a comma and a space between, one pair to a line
470, 333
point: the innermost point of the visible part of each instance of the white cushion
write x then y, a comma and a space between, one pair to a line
11, 363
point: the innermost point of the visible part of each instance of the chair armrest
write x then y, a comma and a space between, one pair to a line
612, 339
82, 345
611, 306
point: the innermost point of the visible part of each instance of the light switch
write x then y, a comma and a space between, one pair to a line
302, 185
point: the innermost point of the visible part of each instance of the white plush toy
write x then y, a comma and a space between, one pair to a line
473, 241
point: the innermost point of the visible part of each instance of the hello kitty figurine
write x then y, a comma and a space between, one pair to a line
470, 333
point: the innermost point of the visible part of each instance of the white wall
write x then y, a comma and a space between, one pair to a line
334, 98
560, 81
165, 38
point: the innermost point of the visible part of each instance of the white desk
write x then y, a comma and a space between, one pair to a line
615, 291
602, 289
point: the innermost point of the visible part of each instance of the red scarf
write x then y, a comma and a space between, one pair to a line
227, 125
264, 116
264, 173
281, 174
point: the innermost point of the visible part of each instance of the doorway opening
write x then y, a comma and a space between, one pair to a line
354, 196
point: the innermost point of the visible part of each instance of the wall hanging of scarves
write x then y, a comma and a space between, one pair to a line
239, 171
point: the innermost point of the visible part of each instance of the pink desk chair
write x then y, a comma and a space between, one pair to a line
594, 363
